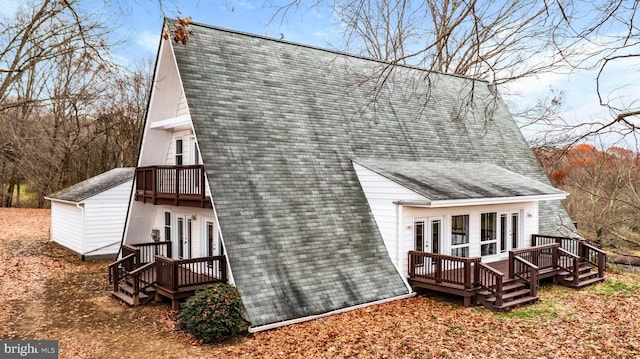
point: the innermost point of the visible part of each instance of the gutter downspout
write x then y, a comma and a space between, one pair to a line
397, 259
80, 205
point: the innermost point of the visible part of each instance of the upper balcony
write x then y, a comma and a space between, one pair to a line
172, 185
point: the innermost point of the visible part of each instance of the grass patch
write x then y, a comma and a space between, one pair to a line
546, 310
615, 287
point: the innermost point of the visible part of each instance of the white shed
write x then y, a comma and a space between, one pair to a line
89, 217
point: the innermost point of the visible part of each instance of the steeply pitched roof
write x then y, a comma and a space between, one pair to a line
278, 125
94, 185
450, 181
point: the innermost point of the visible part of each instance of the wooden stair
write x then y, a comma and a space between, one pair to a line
514, 293
587, 276
125, 293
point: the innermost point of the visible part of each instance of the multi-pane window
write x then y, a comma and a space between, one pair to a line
460, 235
488, 233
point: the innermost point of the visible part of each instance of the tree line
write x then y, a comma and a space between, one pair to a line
604, 191
67, 111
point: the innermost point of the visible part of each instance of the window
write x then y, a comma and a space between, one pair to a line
167, 226
419, 241
460, 235
179, 152
515, 219
435, 235
488, 233
211, 239
180, 238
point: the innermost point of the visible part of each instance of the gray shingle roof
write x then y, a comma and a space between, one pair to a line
446, 180
94, 185
278, 125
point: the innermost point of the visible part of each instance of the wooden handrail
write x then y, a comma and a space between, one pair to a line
529, 272
543, 257
490, 279
567, 243
141, 278
588, 252
571, 263
119, 269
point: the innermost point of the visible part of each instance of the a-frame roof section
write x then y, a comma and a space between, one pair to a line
450, 183
278, 124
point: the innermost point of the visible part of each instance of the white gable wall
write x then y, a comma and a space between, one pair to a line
105, 214
381, 193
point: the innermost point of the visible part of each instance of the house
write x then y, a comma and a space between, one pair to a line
88, 217
293, 173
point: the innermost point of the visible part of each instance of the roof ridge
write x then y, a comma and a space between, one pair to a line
336, 52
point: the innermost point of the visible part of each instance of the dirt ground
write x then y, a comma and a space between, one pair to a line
48, 293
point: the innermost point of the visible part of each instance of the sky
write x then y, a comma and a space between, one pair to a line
138, 25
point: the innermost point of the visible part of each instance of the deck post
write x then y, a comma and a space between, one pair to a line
174, 275
223, 269
476, 273
438, 270
555, 257
511, 264
601, 264
467, 274
177, 174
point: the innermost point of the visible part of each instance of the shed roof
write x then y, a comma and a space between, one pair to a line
450, 181
94, 185
278, 125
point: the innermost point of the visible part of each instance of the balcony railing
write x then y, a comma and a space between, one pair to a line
172, 185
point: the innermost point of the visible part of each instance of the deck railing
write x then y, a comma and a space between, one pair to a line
571, 245
543, 256
172, 183
442, 268
173, 274
526, 271
148, 251
577, 246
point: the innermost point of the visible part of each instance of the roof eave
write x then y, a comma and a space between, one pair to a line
482, 201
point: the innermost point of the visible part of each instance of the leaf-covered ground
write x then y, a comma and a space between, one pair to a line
48, 293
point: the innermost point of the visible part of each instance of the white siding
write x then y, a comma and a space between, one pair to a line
396, 223
381, 193
104, 219
528, 218
66, 225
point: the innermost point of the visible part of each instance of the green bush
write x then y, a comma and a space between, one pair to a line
213, 313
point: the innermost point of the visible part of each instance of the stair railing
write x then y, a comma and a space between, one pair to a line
142, 278
595, 256
490, 279
570, 263
526, 271
118, 270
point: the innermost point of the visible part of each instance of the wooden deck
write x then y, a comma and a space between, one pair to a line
136, 282
503, 284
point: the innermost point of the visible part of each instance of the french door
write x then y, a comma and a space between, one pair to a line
428, 235
509, 231
184, 237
